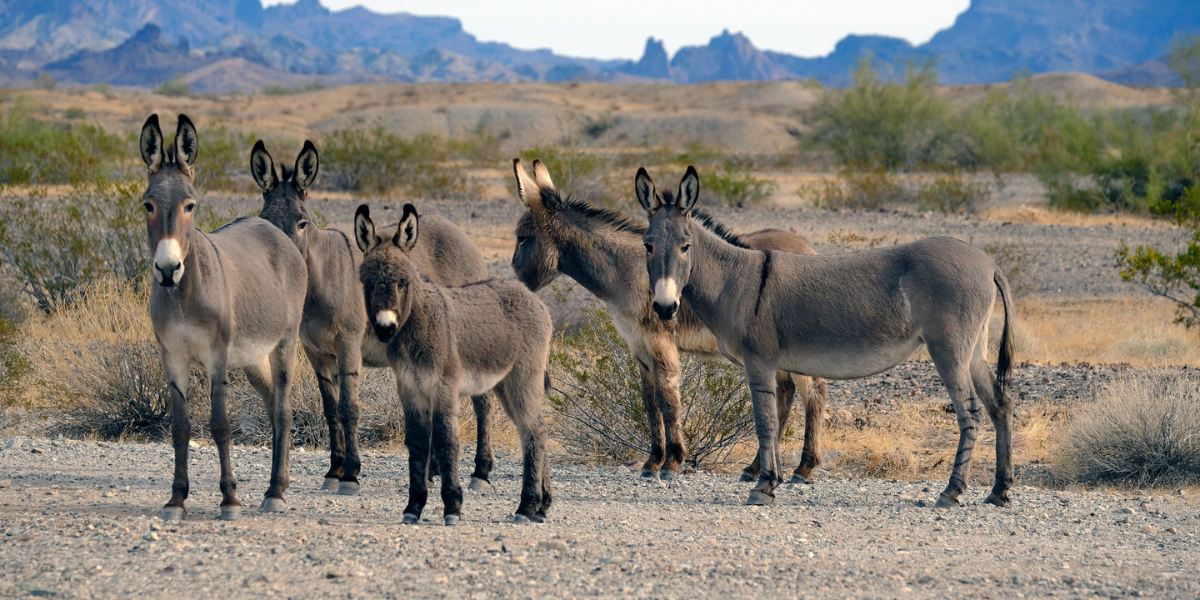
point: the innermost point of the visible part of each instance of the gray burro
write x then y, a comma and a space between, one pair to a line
838, 317
334, 329
228, 299
444, 342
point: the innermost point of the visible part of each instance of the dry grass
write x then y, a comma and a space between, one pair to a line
1044, 216
1135, 331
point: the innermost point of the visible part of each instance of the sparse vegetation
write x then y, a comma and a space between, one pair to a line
376, 161
283, 90
876, 188
735, 185
45, 81
33, 151
176, 86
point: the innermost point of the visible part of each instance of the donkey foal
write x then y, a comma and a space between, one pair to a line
447, 341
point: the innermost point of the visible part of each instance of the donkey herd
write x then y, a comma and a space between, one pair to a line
414, 296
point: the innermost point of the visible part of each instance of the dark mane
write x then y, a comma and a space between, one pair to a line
706, 220
595, 215
288, 172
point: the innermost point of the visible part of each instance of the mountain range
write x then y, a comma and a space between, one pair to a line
222, 45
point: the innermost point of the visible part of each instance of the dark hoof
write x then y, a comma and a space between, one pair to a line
944, 502
272, 505
479, 485
451, 520
331, 484
519, 519
348, 488
668, 475
172, 513
760, 498
649, 473
232, 512
798, 478
747, 477
996, 500
410, 519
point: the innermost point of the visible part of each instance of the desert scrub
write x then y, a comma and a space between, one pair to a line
734, 185
378, 162
952, 193
858, 190
597, 399
38, 152
1140, 431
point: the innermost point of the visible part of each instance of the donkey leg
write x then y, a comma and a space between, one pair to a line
327, 382
417, 437
178, 373
484, 459
657, 445
1000, 409
231, 508
522, 399
283, 367
760, 374
666, 395
349, 364
446, 446
785, 394
814, 391
956, 375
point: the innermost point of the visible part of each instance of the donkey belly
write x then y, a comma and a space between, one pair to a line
848, 363
474, 383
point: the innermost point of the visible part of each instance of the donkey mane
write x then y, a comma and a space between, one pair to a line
233, 222
618, 221
287, 173
706, 220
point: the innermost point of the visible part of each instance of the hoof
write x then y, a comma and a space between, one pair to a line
272, 505
760, 498
747, 477
649, 473
996, 500
944, 502
798, 478
451, 520
172, 513
331, 484
232, 512
410, 519
478, 485
348, 488
520, 519
668, 475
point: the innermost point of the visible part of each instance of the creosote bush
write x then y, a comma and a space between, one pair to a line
872, 189
38, 152
597, 399
1143, 430
376, 161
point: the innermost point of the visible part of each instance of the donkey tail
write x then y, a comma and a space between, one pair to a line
1005, 360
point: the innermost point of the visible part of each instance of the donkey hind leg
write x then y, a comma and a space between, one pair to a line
446, 447
760, 374
231, 508
814, 391
178, 372
785, 394
522, 399
657, 444
955, 371
484, 459
666, 396
283, 368
349, 364
325, 367
1000, 408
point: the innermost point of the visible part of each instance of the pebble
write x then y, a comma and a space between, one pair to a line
13, 443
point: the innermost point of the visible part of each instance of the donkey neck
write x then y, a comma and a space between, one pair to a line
595, 258
718, 281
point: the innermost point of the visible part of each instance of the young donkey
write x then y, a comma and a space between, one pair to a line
838, 317
232, 298
602, 250
335, 323
446, 341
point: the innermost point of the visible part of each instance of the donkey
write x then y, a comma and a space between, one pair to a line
335, 323
602, 250
838, 317
232, 298
447, 341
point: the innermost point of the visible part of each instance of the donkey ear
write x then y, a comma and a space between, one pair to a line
406, 233
151, 144
187, 144
689, 190
262, 167
364, 229
527, 189
307, 164
646, 194
542, 175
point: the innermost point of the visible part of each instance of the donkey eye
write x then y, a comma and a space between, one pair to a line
301, 225
649, 249
685, 248
190, 207
149, 207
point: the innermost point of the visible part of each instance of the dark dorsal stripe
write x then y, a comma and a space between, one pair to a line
762, 280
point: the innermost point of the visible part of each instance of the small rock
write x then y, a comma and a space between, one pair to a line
518, 560
1172, 530
13, 443
841, 418
1127, 511
150, 536
332, 574
558, 545
4, 483
1145, 506
1148, 529
922, 503
35, 451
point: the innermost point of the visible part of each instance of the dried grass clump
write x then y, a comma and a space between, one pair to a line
1142, 430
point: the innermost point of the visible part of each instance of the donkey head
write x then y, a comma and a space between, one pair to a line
284, 200
387, 271
169, 199
668, 238
535, 260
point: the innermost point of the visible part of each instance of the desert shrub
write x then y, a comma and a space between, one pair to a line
1140, 431
37, 152
1015, 261
596, 395
56, 244
176, 86
223, 156
588, 176
283, 90
951, 193
45, 81
858, 190
75, 113
1172, 274
733, 184
376, 162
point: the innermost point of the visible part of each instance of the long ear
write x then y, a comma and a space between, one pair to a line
527, 189
307, 164
646, 194
364, 229
406, 233
542, 175
151, 144
689, 190
262, 167
187, 145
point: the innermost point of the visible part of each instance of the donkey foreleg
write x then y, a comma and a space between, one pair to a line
178, 372
666, 396
657, 444
417, 436
446, 447
760, 374
218, 376
349, 364
785, 394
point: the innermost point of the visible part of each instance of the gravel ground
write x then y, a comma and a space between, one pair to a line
78, 522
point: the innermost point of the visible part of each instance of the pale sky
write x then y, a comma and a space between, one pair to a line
610, 29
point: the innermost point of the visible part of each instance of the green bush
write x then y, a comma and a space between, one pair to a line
37, 152
282, 90
45, 82
952, 194
734, 185
376, 162
176, 86
870, 189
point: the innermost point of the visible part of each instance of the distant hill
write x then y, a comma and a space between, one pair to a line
87, 41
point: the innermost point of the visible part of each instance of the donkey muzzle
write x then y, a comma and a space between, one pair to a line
168, 263
385, 325
168, 275
665, 311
